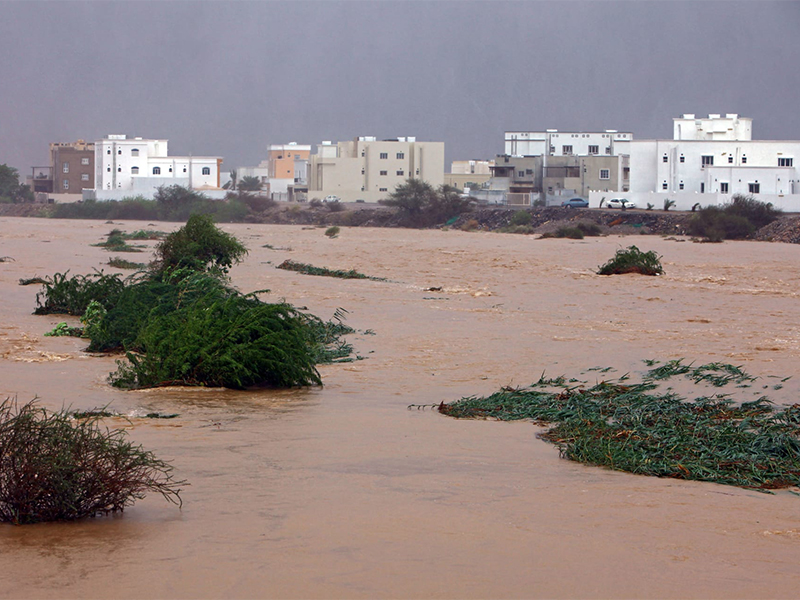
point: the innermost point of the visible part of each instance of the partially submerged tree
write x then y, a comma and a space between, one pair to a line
420, 204
54, 467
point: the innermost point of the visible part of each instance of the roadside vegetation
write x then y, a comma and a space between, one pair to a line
420, 205
649, 429
181, 323
633, 260
737, 220
56, 467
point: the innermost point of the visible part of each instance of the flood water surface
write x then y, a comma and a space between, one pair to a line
343, 492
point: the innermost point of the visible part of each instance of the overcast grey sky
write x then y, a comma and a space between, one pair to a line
228, 78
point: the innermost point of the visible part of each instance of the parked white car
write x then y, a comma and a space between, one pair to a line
331, 198
621, 203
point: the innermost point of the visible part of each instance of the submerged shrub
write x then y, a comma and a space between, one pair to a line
638, 428
57, 468
71, 295
633, 260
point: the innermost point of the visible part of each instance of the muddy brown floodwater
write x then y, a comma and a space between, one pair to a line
342, 492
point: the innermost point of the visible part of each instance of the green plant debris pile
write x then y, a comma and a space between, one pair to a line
54, 467
635, 427
633, 260
291, 265
182, 323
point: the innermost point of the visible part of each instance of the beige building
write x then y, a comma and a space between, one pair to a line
71, 171
469, 173
370, 169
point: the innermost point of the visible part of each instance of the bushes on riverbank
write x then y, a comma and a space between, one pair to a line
738, 220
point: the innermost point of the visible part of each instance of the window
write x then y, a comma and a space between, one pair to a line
594, 149
785, 162
744, 159
119, 169
702, 188
384, 172
680, 185
664, 186
566, 149
119, 151
683, 158
156, 170
730, 160
108, 151
84, 161
108, 169
206, 170
417, 171
134, 170
706, 160
135, 152
184, 169
363, 170
520, 173
363, 153
400, 173
65, 167
384, 155
84, 177
665, 159
605, 174
754, 188
65, 183
170, 169
528, 171
723, 187
608, 150
401, 155
383, 189
552, 149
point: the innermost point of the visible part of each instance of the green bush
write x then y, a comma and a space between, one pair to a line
198, 245
573, 233
633, 260
332, 232
736, 220
521, 217
57, 468
71, 295
589, 228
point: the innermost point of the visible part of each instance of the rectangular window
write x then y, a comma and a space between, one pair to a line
65, 167
723, 187
400, 173
608, 150
84, 177
552, 149
706, 160
683, 158
680, 185
384, 155
84, 161
744, 159
401, 155
730, 160
383, 189
528, 171
594, 149
754, 188
384, 172
665, 159
664, 185
520, 173
65, 183
785, 162
605, 174
702, 188
566, 149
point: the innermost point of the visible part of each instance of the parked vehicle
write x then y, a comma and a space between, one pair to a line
331, 198
575, 203
621, 203
360, 201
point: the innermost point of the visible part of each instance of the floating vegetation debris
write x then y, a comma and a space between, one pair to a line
54, 467
32, 281
290, 265
62, 329
332, 232
116, 242
121, 263
633, 260
638, 428
6, 259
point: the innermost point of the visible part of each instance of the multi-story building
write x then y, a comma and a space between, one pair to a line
71, 171
548, 165
710, 159
137, 167
469, 173
369, 169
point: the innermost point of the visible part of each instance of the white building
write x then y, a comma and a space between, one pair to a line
560, 143
370, 169
137, 167
708, 160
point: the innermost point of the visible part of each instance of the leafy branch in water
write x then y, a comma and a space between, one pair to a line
635, 427
290, 265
